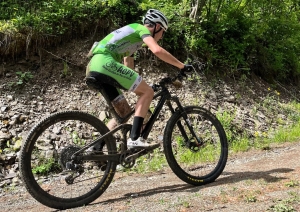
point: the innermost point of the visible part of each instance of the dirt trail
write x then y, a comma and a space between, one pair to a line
252, 181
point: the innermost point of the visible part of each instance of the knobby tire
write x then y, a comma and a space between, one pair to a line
204, 165
31, 159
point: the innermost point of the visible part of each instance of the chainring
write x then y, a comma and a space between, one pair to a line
125, 162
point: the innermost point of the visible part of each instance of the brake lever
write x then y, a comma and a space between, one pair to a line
155, 87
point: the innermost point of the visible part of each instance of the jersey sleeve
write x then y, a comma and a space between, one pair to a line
143, 31
144, 36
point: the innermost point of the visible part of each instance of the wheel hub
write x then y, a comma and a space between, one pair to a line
193, 145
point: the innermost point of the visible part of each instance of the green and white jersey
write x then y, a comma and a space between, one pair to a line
123, 42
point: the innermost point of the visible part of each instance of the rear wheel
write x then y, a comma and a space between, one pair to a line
196, 165
48, 150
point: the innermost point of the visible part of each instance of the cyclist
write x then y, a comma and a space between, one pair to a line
106, 67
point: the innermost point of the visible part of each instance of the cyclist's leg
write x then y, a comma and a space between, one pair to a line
123, 77
114, 94
146, 94
112, 124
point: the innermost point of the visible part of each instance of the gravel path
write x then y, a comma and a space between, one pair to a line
252, 181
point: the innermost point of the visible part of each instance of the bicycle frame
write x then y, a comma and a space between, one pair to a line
166, 97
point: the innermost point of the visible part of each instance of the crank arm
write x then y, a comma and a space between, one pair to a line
141, 152
136, 155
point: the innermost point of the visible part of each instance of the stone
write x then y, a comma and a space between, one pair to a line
102, 115
4, 136
9, 97
11, 175
4, 108
4, 183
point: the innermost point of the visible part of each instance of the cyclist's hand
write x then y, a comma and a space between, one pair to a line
187, 69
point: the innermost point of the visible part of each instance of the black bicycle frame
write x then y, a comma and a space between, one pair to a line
165, 98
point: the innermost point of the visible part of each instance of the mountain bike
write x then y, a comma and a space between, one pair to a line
61, 169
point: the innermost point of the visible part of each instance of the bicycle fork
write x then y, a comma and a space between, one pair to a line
198, 142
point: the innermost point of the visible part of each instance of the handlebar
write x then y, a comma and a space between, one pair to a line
176, 81
169, 80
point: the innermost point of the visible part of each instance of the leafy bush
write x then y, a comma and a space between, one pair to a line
23, 78
231, 36
44, 23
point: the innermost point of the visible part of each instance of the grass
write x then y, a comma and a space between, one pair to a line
289, 134
264, 140
292, 183
150, 163
250, 198
240, 145
286, 205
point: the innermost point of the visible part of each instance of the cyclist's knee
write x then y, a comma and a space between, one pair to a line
144, 89
150, 92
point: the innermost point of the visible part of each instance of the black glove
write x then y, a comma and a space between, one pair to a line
187, 69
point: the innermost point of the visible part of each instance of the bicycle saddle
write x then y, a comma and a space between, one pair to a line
92, 83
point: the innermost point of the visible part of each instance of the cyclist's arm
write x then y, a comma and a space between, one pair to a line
129, 62
161, 53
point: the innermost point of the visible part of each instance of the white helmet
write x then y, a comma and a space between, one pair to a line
157, 17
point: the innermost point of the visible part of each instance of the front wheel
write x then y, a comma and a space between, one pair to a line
48, 150
192, 163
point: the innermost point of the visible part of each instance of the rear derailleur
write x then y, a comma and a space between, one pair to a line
69, 165
75, 171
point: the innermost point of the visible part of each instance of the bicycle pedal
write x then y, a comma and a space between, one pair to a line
132, 152
153, 147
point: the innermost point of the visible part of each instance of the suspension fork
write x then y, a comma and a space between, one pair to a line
186, 119
175, 99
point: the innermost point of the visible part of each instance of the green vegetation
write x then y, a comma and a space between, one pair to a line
285, 205
66, 71
150, 163
242, 140
292, 183
26, 26
12, 145
250, 198
237, 37
45, 166
22, 79
76, 139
